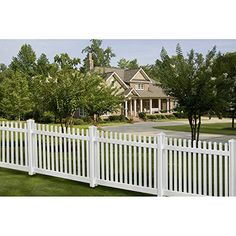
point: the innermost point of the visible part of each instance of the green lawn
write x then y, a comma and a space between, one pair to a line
17, 183
218, 128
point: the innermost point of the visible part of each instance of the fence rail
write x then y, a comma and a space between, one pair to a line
156, 165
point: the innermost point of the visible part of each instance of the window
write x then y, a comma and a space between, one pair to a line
139, 87
113, 83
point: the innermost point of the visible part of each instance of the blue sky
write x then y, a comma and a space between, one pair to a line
146, 51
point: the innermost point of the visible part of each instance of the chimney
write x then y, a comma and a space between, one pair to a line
90, 61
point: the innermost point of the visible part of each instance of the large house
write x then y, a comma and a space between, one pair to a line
142, 94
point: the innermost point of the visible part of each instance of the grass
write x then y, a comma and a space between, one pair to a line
218, 128
17, 183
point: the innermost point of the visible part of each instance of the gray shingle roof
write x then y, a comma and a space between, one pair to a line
129, 74
126, 75
153, 91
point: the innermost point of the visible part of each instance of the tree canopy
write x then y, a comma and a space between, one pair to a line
189, 80
128, 64
100, 56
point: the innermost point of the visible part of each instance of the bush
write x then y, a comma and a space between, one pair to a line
152, 117
47, 118
77, 121
87, 119
117, 118
170, 116
143, 116
180, 115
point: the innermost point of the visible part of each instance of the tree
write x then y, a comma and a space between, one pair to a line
128, 64
189, 80
225, 71
101, 57
64, 62
61, 94
44, 67
15, 96
3, 67
25, 61
100, 98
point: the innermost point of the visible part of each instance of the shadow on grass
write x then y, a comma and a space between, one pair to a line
17, 183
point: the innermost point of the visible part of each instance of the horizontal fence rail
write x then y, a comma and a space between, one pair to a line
156, 165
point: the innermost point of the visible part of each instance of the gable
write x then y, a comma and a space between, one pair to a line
113, 81
139, 77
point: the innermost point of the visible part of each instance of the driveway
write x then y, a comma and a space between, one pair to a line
147, 128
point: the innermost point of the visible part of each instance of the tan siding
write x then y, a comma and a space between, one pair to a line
116, 84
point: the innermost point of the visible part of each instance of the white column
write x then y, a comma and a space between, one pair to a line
135, 107
141, 105
168, 105
126, 108
159, 104
130, 107
150, 105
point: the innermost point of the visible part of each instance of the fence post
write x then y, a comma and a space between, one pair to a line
31, 140
232, 167
92, 155
160, 162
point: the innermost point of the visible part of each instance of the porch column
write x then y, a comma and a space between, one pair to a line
135, 107
150, 105
126, 108
159, 104
130, 107
141, 105
168, 105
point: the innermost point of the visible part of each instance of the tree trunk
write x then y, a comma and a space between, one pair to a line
233, 119
198, 128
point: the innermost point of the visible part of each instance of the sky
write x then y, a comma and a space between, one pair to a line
146, 51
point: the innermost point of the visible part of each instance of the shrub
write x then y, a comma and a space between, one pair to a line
117, 118
143, 116
87, 119
180, 115
47, 117
77, 121
170, 116
152, 117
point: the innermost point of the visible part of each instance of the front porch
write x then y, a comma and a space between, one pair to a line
134, 106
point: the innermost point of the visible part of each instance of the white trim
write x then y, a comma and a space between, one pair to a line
122, 82
132, 91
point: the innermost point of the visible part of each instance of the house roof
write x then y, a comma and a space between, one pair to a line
129, 74
153, 91
125, 77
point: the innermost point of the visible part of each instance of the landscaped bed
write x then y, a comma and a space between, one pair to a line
218, 128
17, 183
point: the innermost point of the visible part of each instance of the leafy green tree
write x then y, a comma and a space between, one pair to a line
189, 80
61, 94
44, 67
3, 67
100, 98
25, 61
15, 97
100, 56
225, 72
65, 62
128, 64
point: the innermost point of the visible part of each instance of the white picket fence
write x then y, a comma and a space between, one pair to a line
156, 165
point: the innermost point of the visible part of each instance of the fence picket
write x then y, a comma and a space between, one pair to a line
189, 168
209, 170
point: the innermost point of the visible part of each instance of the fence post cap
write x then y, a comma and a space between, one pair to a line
30, 121
232, 140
